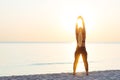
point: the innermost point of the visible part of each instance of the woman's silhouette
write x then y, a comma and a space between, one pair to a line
80, 49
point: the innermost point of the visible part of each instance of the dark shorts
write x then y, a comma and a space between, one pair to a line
81, 50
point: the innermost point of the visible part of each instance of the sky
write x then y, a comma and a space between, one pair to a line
54, 20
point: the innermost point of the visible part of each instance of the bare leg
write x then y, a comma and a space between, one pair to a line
75, 61
84, 56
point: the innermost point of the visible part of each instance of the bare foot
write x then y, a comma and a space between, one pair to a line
87, 73
74, 73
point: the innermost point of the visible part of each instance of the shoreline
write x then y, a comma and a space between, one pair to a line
94, 75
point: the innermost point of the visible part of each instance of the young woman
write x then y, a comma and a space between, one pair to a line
80, 49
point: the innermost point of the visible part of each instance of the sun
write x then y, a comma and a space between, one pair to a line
69, 19
79, 22
69, 22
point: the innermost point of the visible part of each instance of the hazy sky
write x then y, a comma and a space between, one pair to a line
54, 20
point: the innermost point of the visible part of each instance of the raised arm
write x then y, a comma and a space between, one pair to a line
76, 31
84, 30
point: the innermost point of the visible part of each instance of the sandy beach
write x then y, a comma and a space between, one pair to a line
95, 75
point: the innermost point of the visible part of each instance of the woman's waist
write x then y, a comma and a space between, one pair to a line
81, 47
82, 44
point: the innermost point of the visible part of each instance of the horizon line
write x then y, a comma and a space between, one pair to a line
57, 42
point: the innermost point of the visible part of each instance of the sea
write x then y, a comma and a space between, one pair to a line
28, 58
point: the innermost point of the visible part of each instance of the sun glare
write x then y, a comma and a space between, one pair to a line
69, 19
69, 23
79, 22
